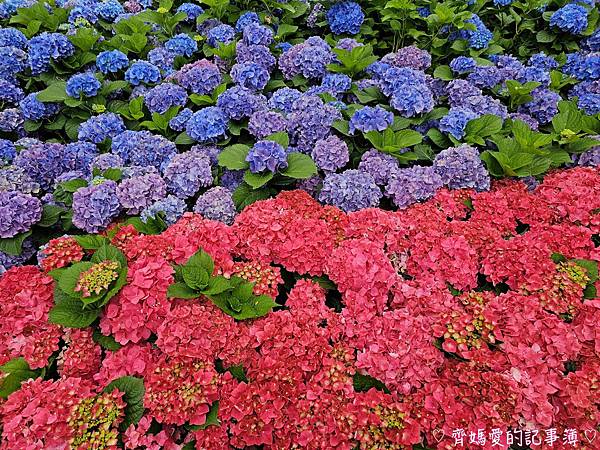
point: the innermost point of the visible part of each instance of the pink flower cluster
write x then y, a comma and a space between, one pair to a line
392, 327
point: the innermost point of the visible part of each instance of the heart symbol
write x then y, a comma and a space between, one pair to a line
590, 435
438, 435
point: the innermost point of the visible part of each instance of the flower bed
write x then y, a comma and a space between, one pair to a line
283, 225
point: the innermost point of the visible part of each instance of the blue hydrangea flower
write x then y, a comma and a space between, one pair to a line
463, 64
221, 34
178, 122
42, 163
11, 37
589, 102
111, 61
544, 105
370, 119
238, 102
109, 10
142, 72
7, 152
345, 18
396, 79
103, 126
256, 34
33, 109
411, 185
379, 165
188, 172
350, 190
182, 44
336, 83
10, 93
164, 96
485, 77
264, 123
461, 168
12, 61
82, 85
171, 208
231, 179
258, 54
207, 125
582, 66
571, 18
162, 58
480, 37
534, 73
502, 2
456, 120
330, 154
309, 121
267, 155
412, 100
95, 207
543, 61
11, 119
142, 148
216, 204
19, 213
283, 99
246, 19
192, 10
250, 75
47, 46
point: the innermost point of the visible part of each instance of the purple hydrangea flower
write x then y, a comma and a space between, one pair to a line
142, 148
544, 105
187, 173
265, 123
231, 179
250, 75
212, 152
310, 121
258, 54
310, 185
137, 193
19, 213
178, 122
310, 59
94, 207
162, 58
8, 261
348, 44
267, 155
345, 17
350, 190
201, 77
330, 154
530, 121
411, 57
10, 92
590, 157
42, 162
103, 126
164, 96
461, 167
82, 84
379, 165
11, 119
408, 186
207, 125
458, 90
77, 156
14, 178
238, 102
256, 34
216, 204
370, 119
106, 161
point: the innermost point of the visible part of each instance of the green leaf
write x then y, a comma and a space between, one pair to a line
241, 308
18, 371
91, 241
50, 215
70, 276
407, 138
281, 138
73, 185
54, 93
14, 245
300, 166
195, 277
443, 73
109, 252
234, 157
238, 373
134, 391
245, 195
113, 174
363, 383
69, 313
106, 342
485, 125
544, 37
203, 260
217, 285
183, 139
84, 38
257, 180
211, 417
590, 266
181, 290
151, 226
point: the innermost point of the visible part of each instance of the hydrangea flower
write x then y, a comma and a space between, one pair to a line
267, 155
19, 212
7, 152
462, 168
162, 58
164, 96
216, 204
202, 77
82, 85
480, 37
407, 186
47, 46
98, 128
221, 34
187, 172
238, 102
12, 37
10, 92
283, 99
109, 9
182, 44
192, 10
544, 105
370, 119
350, 190
571, 18
207, 125
142, 72
95, 207
178, 122
463, 64
345, 17
379, 165
250, 75
411, 57
111, 61
42, 163
247, 18
310, 59
33, 109
144, 149
137, 193
258, 54
456, 120
330, 154
171, 207
256, 34
264, 123
412, 100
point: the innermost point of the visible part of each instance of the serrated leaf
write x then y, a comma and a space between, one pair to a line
300, 166
281, 138
485, 125
363, 383
109, 252
14, 245
234, 157
69, 313
106, 342
18, 371
203, 260
443, 73
257, 180
217, 285
50, 215
181, 290
91, 241
195, 277
56, 92
134, 391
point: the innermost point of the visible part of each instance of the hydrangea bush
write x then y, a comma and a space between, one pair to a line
297, 224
